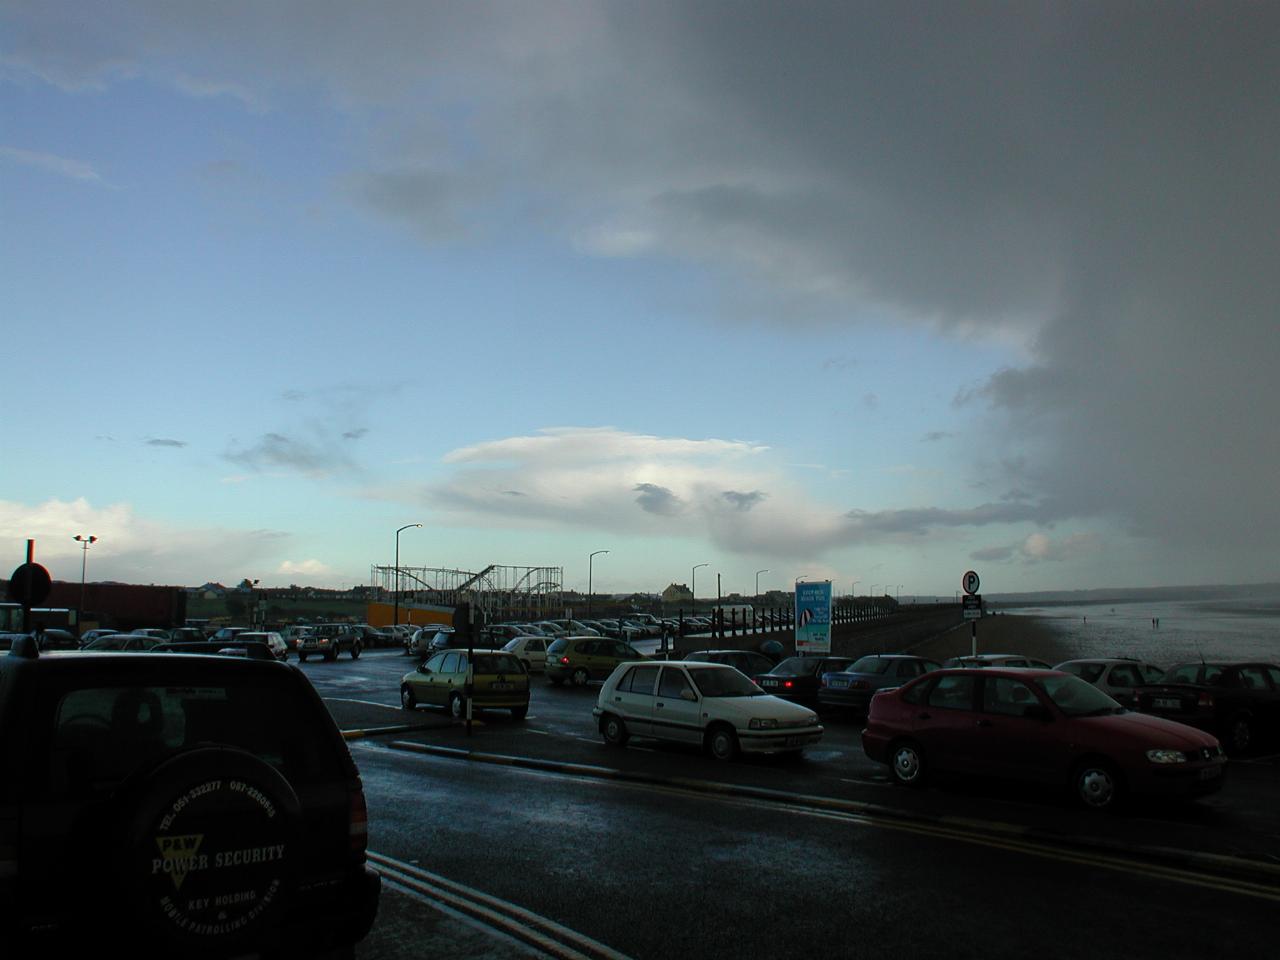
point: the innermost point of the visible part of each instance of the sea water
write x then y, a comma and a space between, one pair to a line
1167, 632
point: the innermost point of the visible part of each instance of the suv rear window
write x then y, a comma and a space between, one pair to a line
497, 663
558, 646
102, 734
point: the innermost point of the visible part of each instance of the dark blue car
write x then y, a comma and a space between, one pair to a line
852, 688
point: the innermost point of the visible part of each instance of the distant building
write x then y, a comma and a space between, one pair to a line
677, 593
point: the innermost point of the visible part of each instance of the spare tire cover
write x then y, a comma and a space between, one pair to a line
211, 849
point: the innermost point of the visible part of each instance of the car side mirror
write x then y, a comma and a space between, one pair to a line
423, 668
1037, 711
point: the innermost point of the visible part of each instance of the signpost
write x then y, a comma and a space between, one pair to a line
29, 585
813, 617
972, 604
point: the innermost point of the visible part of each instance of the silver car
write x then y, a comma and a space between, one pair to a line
711, 705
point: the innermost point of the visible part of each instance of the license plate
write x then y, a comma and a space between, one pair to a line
1208, 773
794, 741
1164, 703
500, 686
839, 684
769, 683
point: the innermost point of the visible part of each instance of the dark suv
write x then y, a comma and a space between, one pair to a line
176, 805
330, 639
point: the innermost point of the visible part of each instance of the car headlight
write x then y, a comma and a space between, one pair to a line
760, 723
1166, 756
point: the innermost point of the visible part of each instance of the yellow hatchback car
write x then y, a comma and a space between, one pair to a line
498, 679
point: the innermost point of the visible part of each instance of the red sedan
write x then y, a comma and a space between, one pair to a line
1040, 725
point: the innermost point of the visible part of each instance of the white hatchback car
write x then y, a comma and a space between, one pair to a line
1117, 677
275, 643
709, 704
532, 652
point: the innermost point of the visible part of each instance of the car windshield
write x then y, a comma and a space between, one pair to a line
497, 663
1076, 698
870, 665
723, 683
796, 666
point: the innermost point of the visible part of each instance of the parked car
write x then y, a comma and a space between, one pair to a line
94, 634
551, 629
496, 634
184, 634
163, 772
583, 659
433, 639
619, 630
275, 643
745, 661
248, 649
227, 633
796, 678
574, 628
996, 660
55, 638
498, 681
1039, 725
328, 640
852, 688
1117, 677
1238, 702
532, 652
712, 705
124, 642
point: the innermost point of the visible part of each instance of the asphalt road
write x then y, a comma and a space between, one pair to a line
651, 852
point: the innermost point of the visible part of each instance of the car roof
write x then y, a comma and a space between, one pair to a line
1001, 670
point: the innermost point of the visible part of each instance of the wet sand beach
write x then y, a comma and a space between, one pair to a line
1006, 633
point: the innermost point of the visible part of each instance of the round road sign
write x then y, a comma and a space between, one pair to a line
970, 582
30, 584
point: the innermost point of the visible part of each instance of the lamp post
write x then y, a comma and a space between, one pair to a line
897, 594
590, 559
693, 586
84, 559
758, 572
854, 589
873, 589
396, 586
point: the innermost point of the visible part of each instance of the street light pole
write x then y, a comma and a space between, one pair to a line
854, 589
84, 559
873, 589
693, 586
396, 585
758, 572
590, 560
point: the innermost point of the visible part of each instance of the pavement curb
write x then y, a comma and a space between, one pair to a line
376, 731
1258, 871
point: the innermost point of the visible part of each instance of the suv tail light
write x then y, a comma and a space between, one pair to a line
359, 824
1205, 701
565, 661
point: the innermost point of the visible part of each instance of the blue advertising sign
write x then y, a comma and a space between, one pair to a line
813, 617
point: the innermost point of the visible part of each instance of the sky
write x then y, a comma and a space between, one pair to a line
876, 293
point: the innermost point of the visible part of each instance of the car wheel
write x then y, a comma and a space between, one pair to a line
519, 713
722, 743
407, 699
1240, 734
302, 658
1096, 785
906, 761
355, 652
580, 677
457, 706
614, 731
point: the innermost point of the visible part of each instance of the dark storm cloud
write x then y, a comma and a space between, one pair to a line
743, 501
165, 442
992, 554
659, 500
867, 525
275, 451
1096, 180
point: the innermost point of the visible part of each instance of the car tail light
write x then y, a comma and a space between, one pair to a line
822, 682
787, 684
1205, 701
358, 823
565, 661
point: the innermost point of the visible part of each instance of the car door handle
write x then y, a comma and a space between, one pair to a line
617, 699
660, 704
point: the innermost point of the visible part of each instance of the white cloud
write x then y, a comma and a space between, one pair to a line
62, 166
131, 548
314, 570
